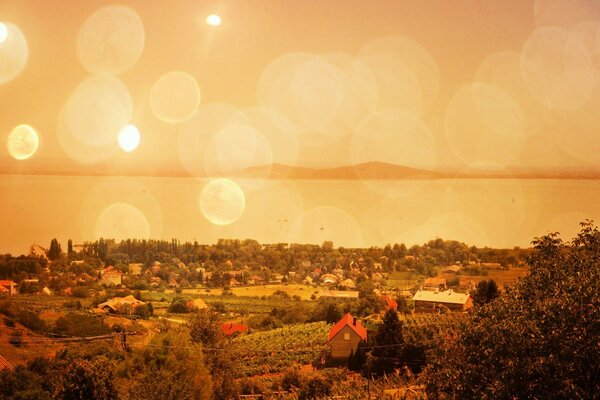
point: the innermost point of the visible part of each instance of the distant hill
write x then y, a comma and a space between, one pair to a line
370, 170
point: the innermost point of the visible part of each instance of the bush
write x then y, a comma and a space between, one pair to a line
30, 320
178, 306
9, 322
80, 292
16, 339
80, 325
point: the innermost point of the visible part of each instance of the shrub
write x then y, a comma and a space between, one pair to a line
74, 324
9, 322
30, 320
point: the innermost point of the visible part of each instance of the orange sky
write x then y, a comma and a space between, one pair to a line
227, 63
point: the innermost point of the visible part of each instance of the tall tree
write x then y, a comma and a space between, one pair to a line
538, 340
55, 250
486, 291
70, 247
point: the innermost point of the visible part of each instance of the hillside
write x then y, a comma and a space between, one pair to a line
370, 170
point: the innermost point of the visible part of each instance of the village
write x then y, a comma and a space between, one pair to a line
322, 312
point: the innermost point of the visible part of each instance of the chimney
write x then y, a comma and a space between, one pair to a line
354, 321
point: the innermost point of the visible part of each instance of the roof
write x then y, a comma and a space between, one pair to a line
231, 328
117, 301
347, 320
197, 303
448, 296
436, 280
391, 304
7, 283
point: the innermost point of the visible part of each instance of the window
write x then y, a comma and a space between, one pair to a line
346, 336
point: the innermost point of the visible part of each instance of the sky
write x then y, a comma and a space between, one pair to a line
427, 84
135, 94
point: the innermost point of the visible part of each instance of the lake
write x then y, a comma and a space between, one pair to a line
481, 212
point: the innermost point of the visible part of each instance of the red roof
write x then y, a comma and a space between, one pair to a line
230, 329
390, 303
7, 283
348, 320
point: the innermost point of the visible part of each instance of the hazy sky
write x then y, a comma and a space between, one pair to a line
428, 84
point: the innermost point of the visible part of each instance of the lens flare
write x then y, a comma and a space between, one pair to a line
14, 52
175, 97
129, 138
111, 40
3, 33
213, 20
23, 142
122, 221
222, 201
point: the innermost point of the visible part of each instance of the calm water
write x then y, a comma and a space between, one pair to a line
497, 213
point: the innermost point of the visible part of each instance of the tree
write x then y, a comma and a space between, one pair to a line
389, 343
538, 340
70, 247
486, 291
54, 251
171, 368
88, 380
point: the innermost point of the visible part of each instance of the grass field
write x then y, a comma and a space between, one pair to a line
502, 277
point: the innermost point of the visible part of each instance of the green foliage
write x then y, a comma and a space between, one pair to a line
179, 306
88, 380
80, 292
278, 349
54, 251
76, 324
171, 368
538, 340
486, 291
31, 320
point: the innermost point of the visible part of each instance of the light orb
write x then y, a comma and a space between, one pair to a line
129, 138
122, 221
3, 33
175, 97
213, 20
14, 52
222, 201
111, 40
23, 142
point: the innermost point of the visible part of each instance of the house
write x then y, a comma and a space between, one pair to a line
328, 278
196, 304
45, 292
345, 335
231, 328
308, 280
255, 280
390, 304
347, 284
467, 284
38, 251
451, 269
120, 304
434, 301
135, 268
8, 287
112, 277
435, 282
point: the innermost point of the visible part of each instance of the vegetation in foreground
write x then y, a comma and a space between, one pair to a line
538, 339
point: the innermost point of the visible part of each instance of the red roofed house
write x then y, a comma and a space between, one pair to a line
231, 328
390, 304
345, 336
9, 287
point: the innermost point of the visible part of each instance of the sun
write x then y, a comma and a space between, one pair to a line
129, 138
213, 20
